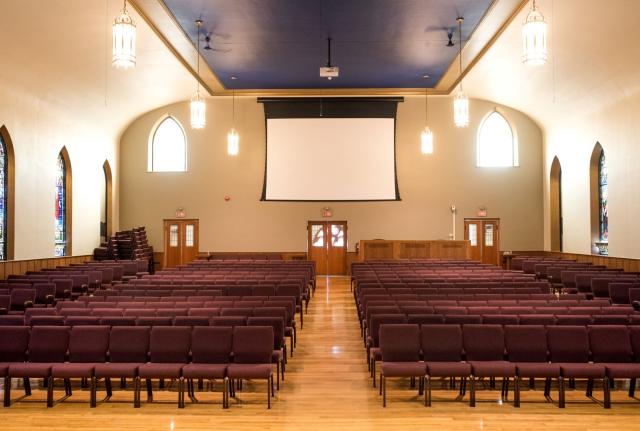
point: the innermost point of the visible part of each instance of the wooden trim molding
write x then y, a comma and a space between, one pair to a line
68, 200
20, 267
625, 263
11, 187
108, 178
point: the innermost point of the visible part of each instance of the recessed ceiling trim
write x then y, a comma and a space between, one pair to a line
494, 22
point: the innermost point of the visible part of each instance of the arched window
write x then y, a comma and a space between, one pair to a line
603, 198
599, 201
497, 144
167, 147
106, 203
62, 243
555, 205
6, 195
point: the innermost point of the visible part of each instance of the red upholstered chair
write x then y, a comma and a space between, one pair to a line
169, 351
611, 346
569, 348
400, 352
252, 352
211, 350
14, 341
485, 349
128, 349
442, 349
47, 346
88, 346
527, 349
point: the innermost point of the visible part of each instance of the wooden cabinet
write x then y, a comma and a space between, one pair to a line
181, 241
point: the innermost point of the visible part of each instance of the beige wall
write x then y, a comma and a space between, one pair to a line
428, 184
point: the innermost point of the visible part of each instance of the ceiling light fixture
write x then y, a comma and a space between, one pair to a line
534, 38
124, 40
233, 139
329, 71
198, 105
460, 100
426, 137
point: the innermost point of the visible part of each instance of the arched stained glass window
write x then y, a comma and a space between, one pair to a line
168, 147
497, 146
4, 177
603, 198
61, 208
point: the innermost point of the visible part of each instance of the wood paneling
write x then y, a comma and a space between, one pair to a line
20, 267
379, 249
629, 265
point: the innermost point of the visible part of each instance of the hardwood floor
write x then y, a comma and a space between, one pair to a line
326, 388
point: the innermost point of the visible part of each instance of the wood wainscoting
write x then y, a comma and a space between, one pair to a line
379, 249
20, 267
627, 264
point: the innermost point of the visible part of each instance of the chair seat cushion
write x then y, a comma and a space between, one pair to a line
249, 371
448, 369
73, 370
403, 369
204, 371
582, 370
116, 369
276, 356
493, 368
622, 370
30, 369
537, 369
152, 370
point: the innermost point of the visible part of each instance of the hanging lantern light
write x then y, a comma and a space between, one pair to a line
534, 38
198, 104
460, 100
426, 137
124, 40
233, 139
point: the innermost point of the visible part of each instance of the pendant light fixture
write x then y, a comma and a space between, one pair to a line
198, 105
233, 139
124, 40
534, 38
426, 137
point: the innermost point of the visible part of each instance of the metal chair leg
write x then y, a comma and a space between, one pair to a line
383, 386
607, 393
427, 391
472, 391
92, 389
561, 392
7, 391
50, 392
516, 391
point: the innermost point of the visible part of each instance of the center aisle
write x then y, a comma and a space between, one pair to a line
327, 387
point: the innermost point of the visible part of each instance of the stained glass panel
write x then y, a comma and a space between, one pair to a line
60, 208
337, 235
317, 235
3, 200
603, 189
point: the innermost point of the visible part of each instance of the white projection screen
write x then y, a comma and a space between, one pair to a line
330, 159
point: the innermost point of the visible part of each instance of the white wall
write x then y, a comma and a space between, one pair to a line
428, 184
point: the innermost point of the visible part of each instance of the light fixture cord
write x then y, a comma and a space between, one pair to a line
124, 7
460, 48
233, 108
426, 106
198, 24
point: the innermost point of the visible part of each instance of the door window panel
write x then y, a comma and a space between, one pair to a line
337, 235
189, 235
173, 235
317, 235
488, 235
473, 234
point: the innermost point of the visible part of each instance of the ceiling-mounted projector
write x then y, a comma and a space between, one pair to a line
329, 71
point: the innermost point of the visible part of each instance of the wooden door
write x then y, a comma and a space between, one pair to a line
327, 246
181, 241
484, 239
337, 248
472, 233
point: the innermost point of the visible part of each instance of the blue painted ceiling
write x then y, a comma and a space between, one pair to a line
280, 44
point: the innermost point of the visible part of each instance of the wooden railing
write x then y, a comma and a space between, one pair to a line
628, 264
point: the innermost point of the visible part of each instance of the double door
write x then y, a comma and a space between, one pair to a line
327, 246
484, 239
181, 243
